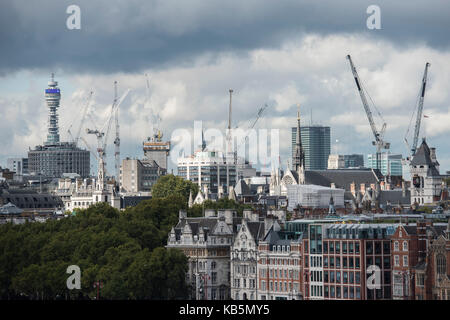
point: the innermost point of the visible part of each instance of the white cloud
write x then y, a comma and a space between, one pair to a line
311, 71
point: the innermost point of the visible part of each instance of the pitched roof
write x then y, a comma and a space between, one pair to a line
256, 229
422, 155
242, 188
342, 178
394, 197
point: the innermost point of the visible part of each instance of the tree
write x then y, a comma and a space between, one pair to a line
170, 185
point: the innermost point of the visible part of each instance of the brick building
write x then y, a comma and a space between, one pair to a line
280, 267
339, 259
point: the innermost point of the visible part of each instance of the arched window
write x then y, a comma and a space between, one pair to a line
441, 264
405, 245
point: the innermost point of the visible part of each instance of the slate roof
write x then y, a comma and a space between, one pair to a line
242, 188
10, 209
28, 199
423, 157
273, 238
394, 197
256, 229
411, 229
196, 223
342, 178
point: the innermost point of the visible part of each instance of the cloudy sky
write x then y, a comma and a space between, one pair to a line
278, 53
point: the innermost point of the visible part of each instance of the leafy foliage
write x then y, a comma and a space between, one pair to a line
124, 250
224, 203
171, 185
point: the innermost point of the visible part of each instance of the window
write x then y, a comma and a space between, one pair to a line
420, 280
405, 245
351, 277
369, 247
344, 262
440, 264
357, 247
357, 277
350, 247
344, 247
377, 247
332, 276
338, 262
325, 247
396, 247
386, 262
405, 261
386, 247
357, 262
331, 261
397, 261
338, 249
331, 247
338, 277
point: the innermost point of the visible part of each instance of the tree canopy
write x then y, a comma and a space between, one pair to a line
124, 250
170, 185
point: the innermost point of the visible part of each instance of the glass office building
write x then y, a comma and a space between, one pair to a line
316, 146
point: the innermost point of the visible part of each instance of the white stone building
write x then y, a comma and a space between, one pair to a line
426, 182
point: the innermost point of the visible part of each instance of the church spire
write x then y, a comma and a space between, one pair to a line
298, 161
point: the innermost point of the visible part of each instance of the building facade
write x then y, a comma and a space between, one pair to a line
280, 267
244, 255
18, 165
139, 175
341, 261
316, 146
209, 168
206, 241
390, 164
426, 182
342, 161
157, 150
54, 161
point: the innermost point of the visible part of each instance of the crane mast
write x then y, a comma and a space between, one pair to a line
102, 138
419, 110
117, 139
379, 143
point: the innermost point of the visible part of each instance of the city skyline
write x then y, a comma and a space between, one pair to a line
301, 62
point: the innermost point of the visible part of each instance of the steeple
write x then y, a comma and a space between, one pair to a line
298, 161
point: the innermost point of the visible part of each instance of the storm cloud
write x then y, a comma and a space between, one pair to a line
127, 36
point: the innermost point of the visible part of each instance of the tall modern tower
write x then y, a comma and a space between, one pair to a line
52, 96
315, 144
55, 158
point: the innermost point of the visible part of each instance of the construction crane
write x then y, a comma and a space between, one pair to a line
102, 138
419, 107
155, 119
379, 143
83, 117
117, 139
252, 125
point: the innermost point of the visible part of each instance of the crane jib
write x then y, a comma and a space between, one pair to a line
423, 89
357, 84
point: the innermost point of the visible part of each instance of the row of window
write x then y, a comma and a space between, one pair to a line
404, 246
284, 273
279, 286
